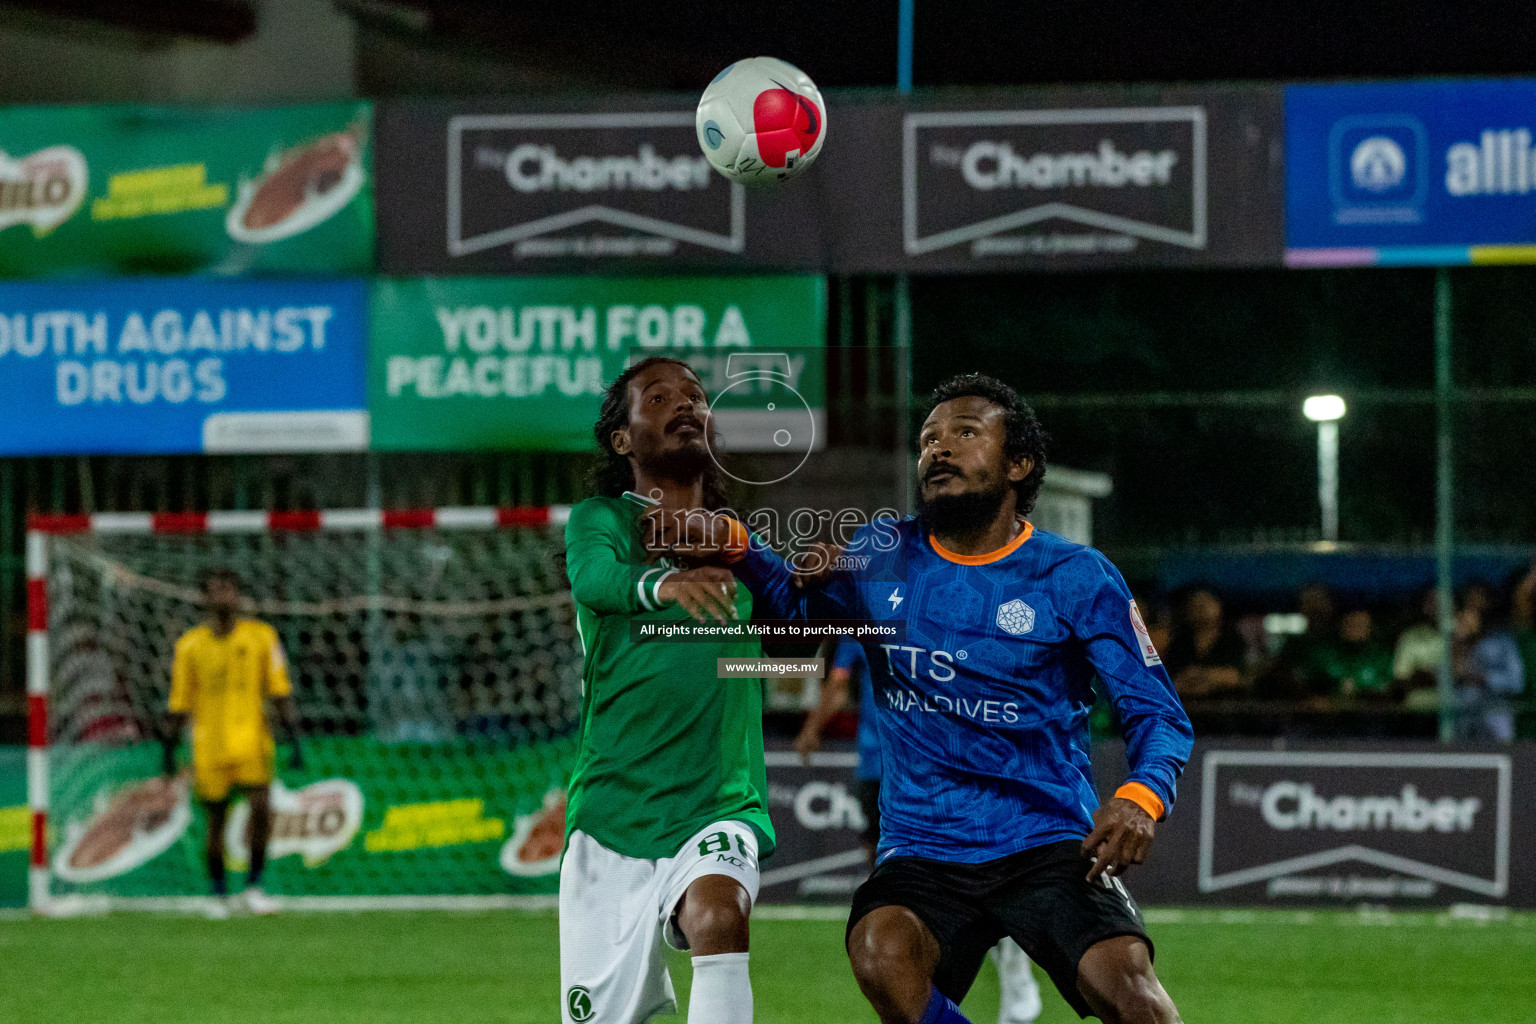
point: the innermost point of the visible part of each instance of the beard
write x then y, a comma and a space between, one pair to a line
951, 514
682, 464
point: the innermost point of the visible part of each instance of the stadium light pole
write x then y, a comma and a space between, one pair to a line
1326, 411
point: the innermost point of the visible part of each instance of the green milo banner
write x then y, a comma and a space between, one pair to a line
364, 818
92, 191
473, 363
15, 826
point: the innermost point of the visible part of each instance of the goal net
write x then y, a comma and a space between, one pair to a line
435, 666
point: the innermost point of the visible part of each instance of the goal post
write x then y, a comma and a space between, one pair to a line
437, 671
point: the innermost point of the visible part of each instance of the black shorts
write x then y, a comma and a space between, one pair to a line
1040, 897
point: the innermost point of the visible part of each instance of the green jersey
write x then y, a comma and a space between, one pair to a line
666, 747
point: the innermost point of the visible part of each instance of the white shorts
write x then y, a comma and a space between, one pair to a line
616, 911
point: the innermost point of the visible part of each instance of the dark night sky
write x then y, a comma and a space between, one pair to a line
979, 42
1231, 469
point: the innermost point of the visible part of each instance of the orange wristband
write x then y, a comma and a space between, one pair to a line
1142, 797
736, 544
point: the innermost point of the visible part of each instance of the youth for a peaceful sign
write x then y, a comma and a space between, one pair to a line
470, 363
168, 366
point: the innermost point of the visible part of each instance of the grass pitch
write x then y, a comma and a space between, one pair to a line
501, 967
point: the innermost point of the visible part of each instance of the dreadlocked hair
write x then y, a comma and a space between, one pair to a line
613, 475
1025, 437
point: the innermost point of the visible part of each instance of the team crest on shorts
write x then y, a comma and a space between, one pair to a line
578, 1001
1015, 617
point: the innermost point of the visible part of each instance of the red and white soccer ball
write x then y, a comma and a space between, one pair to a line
761, 120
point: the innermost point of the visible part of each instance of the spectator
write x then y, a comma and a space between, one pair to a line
1352, 663
1489, 674
1521, 589
1205, 656
1416, 659
1522, 615
1284, 678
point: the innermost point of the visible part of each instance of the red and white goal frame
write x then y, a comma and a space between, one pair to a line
41, 527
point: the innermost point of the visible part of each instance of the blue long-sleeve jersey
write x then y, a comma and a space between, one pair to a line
983, 709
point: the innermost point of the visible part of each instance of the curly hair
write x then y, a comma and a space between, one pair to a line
1025, 437
613, 475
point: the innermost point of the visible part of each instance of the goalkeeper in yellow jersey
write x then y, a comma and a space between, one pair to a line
224, 673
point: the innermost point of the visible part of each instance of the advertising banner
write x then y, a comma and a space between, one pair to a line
615, 185
1410, 826
1404, 825
182, 366
473, 363
1433, 173
964, 181
15, 826
135, 190
819, 824
362, 821
363, 824
995, 180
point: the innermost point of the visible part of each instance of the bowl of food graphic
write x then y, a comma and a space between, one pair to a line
129, 828
299, 188
537, 840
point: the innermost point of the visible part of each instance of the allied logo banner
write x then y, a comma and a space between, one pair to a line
1413, 173
183, 365
475, 363
474, 188
135, 190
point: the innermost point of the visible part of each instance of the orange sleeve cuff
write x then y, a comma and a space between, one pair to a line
736, 545
1142, 797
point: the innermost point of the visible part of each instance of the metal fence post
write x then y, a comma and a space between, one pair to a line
1445, 507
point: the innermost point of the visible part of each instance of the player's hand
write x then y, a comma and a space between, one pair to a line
705, 593
814, 566
808, 742
1122, 836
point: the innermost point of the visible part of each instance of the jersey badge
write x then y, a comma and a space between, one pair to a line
1149, 655
1015, 617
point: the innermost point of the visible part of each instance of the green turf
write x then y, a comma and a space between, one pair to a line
468, 968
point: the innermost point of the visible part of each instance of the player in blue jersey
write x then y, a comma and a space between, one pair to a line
990, 824
1020, 993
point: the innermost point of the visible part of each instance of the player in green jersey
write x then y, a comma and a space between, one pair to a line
668, 809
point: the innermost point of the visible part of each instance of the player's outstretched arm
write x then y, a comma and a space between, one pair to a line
781, 592
834, 694
599, 579
1157, 731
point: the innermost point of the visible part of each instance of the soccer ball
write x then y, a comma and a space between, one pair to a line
761, 120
